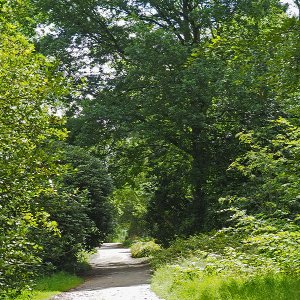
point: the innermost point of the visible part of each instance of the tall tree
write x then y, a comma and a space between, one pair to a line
153, 94
28, 131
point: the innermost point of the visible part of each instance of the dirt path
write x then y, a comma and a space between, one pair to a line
115, 275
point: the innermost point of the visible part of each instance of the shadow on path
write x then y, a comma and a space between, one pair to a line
113, 266
115, 275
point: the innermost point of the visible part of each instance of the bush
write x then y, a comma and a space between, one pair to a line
89, 175
70, 210
144, 249
194, 246
272, 247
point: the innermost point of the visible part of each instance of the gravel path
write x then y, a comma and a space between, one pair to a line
115, 275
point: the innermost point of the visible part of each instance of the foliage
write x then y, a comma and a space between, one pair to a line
80, 208
262, 235
254, 92
181, 103
224, 264
89, 175
27, 155
130, 202
177, 91
271, 170
184, 102
144, 249
260, 244
49, 213
69, 209
170, 93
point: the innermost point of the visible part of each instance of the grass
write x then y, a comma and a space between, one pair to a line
171, 286
229, 266
51, 285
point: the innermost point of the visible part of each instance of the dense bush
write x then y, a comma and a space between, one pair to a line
88, 175
70, 210
144, 249
79, 207
269, 248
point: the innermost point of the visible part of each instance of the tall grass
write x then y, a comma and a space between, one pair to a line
172, 286
51, 285
231, 264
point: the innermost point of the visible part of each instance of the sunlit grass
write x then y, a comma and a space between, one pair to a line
51, 285
278, 287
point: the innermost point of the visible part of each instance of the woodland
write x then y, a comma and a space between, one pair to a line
175, 121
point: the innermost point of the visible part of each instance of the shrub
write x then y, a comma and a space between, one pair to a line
144, 249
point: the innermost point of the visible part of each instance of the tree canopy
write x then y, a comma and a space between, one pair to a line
166, 118
183, 79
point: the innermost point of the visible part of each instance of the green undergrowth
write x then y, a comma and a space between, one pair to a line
173, 284
49, 286
129, 242
259, 260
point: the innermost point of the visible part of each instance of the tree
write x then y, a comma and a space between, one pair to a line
27, 152
271, 168
156, 94
89, 174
